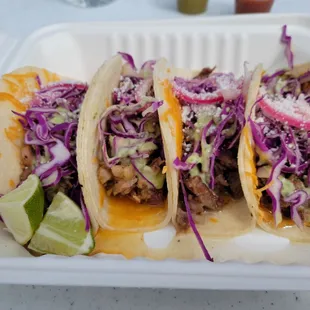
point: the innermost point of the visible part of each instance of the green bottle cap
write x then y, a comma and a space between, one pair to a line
192, 6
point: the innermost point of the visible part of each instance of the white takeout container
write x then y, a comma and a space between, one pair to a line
77, 50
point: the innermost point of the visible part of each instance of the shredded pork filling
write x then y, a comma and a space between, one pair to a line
227, 185
203, 199
136, 142
123, 181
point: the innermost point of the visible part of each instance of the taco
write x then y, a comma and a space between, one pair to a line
274, 148
274, 152
121, 155
38, 124
202, 118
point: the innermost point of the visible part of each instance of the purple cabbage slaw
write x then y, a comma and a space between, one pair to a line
292, 85
287, 41
50, 126
192, 223
287, 150
134, 108
285, 147
232, 108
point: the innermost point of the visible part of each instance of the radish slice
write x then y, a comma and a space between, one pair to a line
203, 98
292, 111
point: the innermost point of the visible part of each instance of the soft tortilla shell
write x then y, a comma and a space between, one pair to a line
236, 218
247, 170
104, 213
16, 90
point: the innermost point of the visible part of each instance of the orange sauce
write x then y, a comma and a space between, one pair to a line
15, 132
249, 148
125, 213
213, 220
95, 160
12, 184
19, 107
127, 244
101, 196
268, 218
19, 83
174, 112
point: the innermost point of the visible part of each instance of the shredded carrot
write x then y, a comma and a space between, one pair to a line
164, 170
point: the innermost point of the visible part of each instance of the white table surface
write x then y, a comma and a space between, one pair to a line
19, 18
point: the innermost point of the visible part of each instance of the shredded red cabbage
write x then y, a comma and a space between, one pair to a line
129, 59
132, 121
192, 223
283, 145
274, 191
147, 68
297, 199
286, 149
231, 110
141, 174
304, 78
181, 165
213, 108
130, 69
287, 41
50, 129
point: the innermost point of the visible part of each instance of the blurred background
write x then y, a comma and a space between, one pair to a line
21, 17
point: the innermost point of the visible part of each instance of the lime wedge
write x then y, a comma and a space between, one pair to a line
22, 209
62, 230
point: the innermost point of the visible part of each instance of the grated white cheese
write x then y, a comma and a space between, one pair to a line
198, 97
205, 109
225, 81
265, 130
259, 120
293, 107
218, 112
211, 129
186, 111
223, 116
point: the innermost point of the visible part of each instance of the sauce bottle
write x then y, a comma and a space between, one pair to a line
253, 6
192, 6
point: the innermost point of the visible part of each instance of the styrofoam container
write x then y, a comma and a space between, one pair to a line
77, 50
